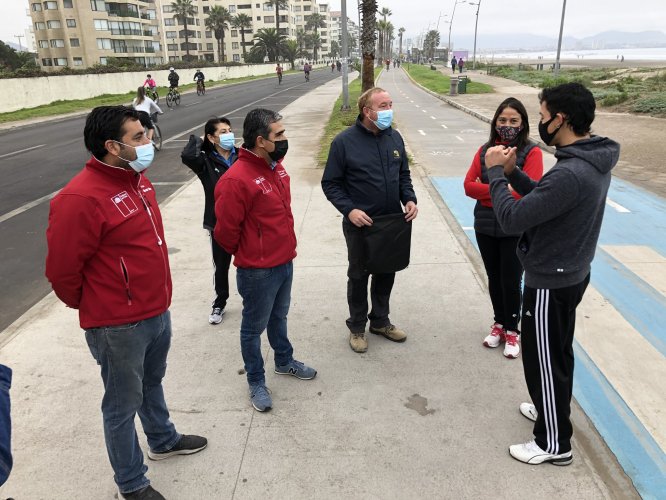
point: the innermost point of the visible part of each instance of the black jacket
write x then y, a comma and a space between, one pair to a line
209, 169
367, 171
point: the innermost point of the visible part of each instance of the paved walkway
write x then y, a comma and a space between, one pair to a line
431, 418
642, 137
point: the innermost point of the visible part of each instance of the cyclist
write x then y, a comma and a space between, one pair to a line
306, 69
200, 78
278, 70
146, 107
173, 79
150, 83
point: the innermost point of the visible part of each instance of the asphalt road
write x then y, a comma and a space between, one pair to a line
38, 160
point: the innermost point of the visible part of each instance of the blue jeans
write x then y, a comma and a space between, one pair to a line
133, 363
266, 297
5, 424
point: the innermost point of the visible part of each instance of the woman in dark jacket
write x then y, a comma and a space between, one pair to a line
210, 158
498, 249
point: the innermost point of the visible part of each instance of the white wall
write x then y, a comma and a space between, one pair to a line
31, 92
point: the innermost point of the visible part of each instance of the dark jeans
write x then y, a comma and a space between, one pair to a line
221, 262
5, 424
549, 321
266, 298
504, 277
133, 363
357, 286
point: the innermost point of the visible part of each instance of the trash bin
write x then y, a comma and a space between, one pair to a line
454, 86
462, 84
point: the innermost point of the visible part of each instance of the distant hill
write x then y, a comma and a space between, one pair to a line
15, 46
605, 40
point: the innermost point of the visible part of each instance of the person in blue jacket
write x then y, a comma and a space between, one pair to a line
367, 175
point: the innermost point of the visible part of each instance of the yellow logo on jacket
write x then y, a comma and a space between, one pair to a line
396, 153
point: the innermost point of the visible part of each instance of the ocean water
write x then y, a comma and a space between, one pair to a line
641, 54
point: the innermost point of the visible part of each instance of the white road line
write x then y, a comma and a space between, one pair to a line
22, 151
424, 110
444, 126
416, 105
433, 117
617, 206
192, 104
27, 206
460, 138
468, 228
422, 132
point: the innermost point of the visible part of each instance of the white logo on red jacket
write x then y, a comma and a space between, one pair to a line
124, 203
282, 173
265, 186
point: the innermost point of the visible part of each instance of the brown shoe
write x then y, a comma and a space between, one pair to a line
391, 332
358, 342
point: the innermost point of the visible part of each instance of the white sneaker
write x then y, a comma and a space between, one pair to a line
530, 453
496, 336
529, 411
215, 317
511, 348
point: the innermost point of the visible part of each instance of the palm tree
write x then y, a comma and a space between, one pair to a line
217, 20
381, 40
400, 32
268, 42
242, 21
335, 49
385, 12
278, 4
313, 41
368, 10
316, 21
182, 9
300, 39
291, 51
388, 40
430, 43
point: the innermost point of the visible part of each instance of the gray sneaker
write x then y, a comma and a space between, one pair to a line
296, 369
215, 317
260, 396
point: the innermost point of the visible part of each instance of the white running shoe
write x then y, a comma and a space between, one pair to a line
496, 336
511, 348
529, 411
215, 317
530, 453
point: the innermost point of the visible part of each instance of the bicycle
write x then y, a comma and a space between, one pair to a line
173, 97
307, 76
201, 89
157, 133
279, 75
152, 93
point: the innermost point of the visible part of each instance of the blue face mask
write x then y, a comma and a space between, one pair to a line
384, 119
144, 156
227, 141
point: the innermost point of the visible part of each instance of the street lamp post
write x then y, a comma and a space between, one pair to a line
451, 22
559, 41
476, 25
345, 58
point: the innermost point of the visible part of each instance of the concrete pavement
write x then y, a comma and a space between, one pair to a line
431, 418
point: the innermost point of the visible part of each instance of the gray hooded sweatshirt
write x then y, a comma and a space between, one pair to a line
559, 216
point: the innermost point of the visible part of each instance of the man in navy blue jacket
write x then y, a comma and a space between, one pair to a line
367, 175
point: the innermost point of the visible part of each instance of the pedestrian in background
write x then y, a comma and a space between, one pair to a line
560, 219
461, 65
509, 127
146, 107
108, 259
454, 64
367, 175
255, 224
209, 158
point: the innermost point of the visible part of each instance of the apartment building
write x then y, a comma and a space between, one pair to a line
335, 30
82, 33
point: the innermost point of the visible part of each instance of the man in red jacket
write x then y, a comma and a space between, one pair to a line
256, 226
107, 258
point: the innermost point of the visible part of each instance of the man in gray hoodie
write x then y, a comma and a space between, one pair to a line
559, 218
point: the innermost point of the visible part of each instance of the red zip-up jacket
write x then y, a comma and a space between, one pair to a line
253, 211
106, 251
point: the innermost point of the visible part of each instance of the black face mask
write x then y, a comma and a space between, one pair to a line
280, 150
547, 137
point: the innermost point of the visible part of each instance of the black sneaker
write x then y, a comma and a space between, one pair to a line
147, 493
187, 445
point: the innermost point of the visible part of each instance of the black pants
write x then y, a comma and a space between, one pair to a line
221, 262
504, 277
549, 320
357, 286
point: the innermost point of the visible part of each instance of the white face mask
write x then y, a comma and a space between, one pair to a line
144, 156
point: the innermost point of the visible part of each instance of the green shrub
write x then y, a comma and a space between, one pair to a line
614, 98
653, 104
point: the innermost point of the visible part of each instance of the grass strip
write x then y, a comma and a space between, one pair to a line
439, 83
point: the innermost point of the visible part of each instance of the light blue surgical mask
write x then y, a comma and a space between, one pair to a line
144, 156
384, 119
227, 141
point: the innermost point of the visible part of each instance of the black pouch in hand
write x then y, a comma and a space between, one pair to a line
387, 243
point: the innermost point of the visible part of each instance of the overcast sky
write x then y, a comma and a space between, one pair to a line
539, 17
